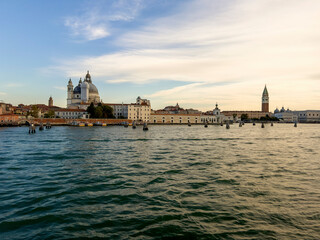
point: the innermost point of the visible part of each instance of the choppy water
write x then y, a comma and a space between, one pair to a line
171, 182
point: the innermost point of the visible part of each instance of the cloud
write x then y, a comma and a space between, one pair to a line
60, 88
96, 17
3, 93
87, 30
246, 43
14, 85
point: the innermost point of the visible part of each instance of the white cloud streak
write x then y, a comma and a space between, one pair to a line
246, 42
60, 88
94, 21
14, 85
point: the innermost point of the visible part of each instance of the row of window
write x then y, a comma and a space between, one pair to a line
69, 113
303, 114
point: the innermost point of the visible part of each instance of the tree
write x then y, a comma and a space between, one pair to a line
244, 116
49, 114
91, 109
107, 111
98, 112
34, 111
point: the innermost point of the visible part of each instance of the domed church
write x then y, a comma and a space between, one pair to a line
83, 94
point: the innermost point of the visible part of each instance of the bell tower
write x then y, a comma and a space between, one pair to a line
70, 93
265, 100
50, 102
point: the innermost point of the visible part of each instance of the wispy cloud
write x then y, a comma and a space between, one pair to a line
244, 42
60, 88
3, 93
95, 19
14, 85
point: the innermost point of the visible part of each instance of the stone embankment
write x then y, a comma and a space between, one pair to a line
64, 122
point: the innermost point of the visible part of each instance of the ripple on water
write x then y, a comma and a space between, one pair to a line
172, 182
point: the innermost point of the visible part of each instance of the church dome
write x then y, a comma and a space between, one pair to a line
276, 111
93, 88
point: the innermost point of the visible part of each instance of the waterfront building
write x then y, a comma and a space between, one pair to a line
216, 116
5, 108
308, 116
175, 118
250, 114
139, 111
84, 93
71, 113
176, 110
9, 119
285, 115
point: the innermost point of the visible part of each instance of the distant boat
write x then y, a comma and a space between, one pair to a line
145, 127
295, 124
227, 125
104, 125
81, 124
134, 125
254, 124
189, 124
89, 124
41, 127
240, 124
262, 125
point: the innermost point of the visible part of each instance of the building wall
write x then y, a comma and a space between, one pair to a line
308, 115
287, 116
71, 114
8, 119
265, 107
175, 118
251, 114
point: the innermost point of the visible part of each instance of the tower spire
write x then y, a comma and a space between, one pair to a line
265, 100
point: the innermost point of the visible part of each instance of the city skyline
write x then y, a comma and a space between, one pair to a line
195, 53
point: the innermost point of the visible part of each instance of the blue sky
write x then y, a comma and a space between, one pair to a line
195, 52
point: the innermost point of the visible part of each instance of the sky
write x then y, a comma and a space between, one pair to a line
193, 52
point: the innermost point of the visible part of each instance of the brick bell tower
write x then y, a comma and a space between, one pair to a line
265, 100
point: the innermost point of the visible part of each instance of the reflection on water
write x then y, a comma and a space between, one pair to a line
168, 182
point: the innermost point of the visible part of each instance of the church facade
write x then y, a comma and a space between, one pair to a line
83, 94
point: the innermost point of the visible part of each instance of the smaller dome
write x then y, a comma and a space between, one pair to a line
282, 109
77, 89
70, 82
276, 111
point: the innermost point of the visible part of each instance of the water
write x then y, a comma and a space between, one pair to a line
171, 182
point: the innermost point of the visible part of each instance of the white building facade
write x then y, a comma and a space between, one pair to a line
71, 113
310, 116
139, 111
